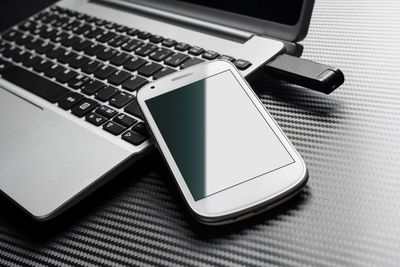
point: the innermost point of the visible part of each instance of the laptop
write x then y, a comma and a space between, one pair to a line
70, 73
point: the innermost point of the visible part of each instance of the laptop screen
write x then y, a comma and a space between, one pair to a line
280, 11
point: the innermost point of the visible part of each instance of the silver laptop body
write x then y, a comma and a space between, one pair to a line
50, 159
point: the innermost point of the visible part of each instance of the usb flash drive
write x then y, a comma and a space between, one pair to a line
313, 75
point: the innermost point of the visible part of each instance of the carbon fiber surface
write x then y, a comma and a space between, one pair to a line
347, 215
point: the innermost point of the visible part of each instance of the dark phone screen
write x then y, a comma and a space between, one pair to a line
280, 11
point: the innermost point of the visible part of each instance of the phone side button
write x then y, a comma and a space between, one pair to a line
133, 137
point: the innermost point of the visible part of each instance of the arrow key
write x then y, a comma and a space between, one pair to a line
133, 137
114, 128
95, 119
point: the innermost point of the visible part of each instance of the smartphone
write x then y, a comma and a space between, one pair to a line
229, 157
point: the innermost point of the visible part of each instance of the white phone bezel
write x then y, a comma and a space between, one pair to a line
239, 200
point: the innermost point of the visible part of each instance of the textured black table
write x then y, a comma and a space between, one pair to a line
349, 214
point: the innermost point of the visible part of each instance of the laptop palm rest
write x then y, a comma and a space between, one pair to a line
46, 159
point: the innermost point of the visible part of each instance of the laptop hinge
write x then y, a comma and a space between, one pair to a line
209, 27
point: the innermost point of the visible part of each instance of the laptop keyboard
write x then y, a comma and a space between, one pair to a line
93, 67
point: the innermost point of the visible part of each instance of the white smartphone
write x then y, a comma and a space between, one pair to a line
229, 157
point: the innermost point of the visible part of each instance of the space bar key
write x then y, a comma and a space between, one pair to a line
34, 83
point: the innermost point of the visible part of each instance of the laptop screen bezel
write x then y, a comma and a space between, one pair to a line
291, 33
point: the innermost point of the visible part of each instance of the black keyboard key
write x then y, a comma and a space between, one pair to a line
182, 46
28, 25
78, 81
99, 22
156, 39
34, 83
58, 36
92, 87
15, 53
49, 19
196, 50
24, 39
69, 13
84, 107
120, 99
106, 36
141, 128
160, 54
11, 35
42, 65
191, 62
91, 66
34, 43
66, 56
124, 120
72, 25
133, 137
95, 119
143, 35
94, 32
43, 48
36, 31
47, 32
168, 42
110, 25
81, 16
163, 72
242, 64
106, 111
106, 93
210, 55
93, 49
114, 128
8, 51
21, 56
4, 45
31, 60
118, 77
119, 41
106, 53
82, 28
69, 100
120, 58
65, 76
121, 28
55, 52
134, 83
146, 49
82, 44
61, 23
53, 70
176, 60
70, 40
105, 71
134, 63
227, 58
134, 109
131, 45
149, 69
132, 31
78, 61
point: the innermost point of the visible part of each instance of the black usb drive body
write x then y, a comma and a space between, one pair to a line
316, 76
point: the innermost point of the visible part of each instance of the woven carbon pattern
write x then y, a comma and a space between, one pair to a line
347, 215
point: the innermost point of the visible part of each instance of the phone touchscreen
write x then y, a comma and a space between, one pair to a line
216, 135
